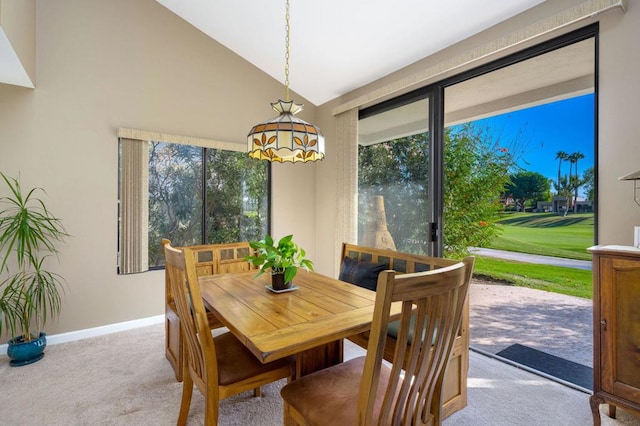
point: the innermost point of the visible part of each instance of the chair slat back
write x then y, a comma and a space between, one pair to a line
200, 349
213, 259
434, 300
398, 261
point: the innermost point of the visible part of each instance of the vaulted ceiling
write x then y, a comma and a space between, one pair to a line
336, 45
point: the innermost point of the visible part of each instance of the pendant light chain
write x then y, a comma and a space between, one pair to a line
286, 56
285, 138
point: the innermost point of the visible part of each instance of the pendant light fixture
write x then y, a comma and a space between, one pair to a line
286, 137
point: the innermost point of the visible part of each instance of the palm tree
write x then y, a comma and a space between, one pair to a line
561, 156
564, 190
577, 183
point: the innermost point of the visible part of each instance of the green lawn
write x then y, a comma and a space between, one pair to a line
570, 281
546, 234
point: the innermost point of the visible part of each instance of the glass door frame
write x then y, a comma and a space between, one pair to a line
435, 94
436, 155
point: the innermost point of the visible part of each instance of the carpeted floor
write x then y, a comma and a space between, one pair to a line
124, 379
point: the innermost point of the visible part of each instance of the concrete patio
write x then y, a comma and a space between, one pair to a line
503, 315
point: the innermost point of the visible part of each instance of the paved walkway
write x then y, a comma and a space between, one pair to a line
532, 258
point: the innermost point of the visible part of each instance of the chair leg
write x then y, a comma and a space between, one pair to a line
257, 393
210, 409
185, 404
182, 356
288, 420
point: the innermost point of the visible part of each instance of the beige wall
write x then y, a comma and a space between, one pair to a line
105, 64
619, 104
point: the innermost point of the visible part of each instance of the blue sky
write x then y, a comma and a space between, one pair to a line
540, 132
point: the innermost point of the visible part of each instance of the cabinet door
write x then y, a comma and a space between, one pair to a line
620, 329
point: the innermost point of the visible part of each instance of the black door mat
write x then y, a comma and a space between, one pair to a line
552, 365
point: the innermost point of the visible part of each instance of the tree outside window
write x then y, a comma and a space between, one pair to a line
234, 206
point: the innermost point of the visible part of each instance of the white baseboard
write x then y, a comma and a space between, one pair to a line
97, 331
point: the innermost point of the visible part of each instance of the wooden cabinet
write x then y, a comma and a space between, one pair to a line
616, 329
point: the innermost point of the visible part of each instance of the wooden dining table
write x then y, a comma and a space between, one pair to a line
310, 321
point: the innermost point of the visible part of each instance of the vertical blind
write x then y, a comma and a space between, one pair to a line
347, 181
134, 206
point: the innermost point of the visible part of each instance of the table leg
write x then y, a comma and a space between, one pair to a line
319, 357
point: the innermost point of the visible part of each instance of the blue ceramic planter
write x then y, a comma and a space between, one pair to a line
24, 353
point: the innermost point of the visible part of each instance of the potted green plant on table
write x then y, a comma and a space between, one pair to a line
29, 293
281, 260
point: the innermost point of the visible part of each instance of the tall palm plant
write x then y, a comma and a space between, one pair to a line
29, 234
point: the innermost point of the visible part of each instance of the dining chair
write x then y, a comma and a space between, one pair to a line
219, 366
211, 259
174, 343
366, 391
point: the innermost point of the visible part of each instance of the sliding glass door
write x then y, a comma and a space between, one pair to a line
498, 159
394, 176
530, 135
437, 165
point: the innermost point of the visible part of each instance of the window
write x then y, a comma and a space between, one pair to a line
194, 195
